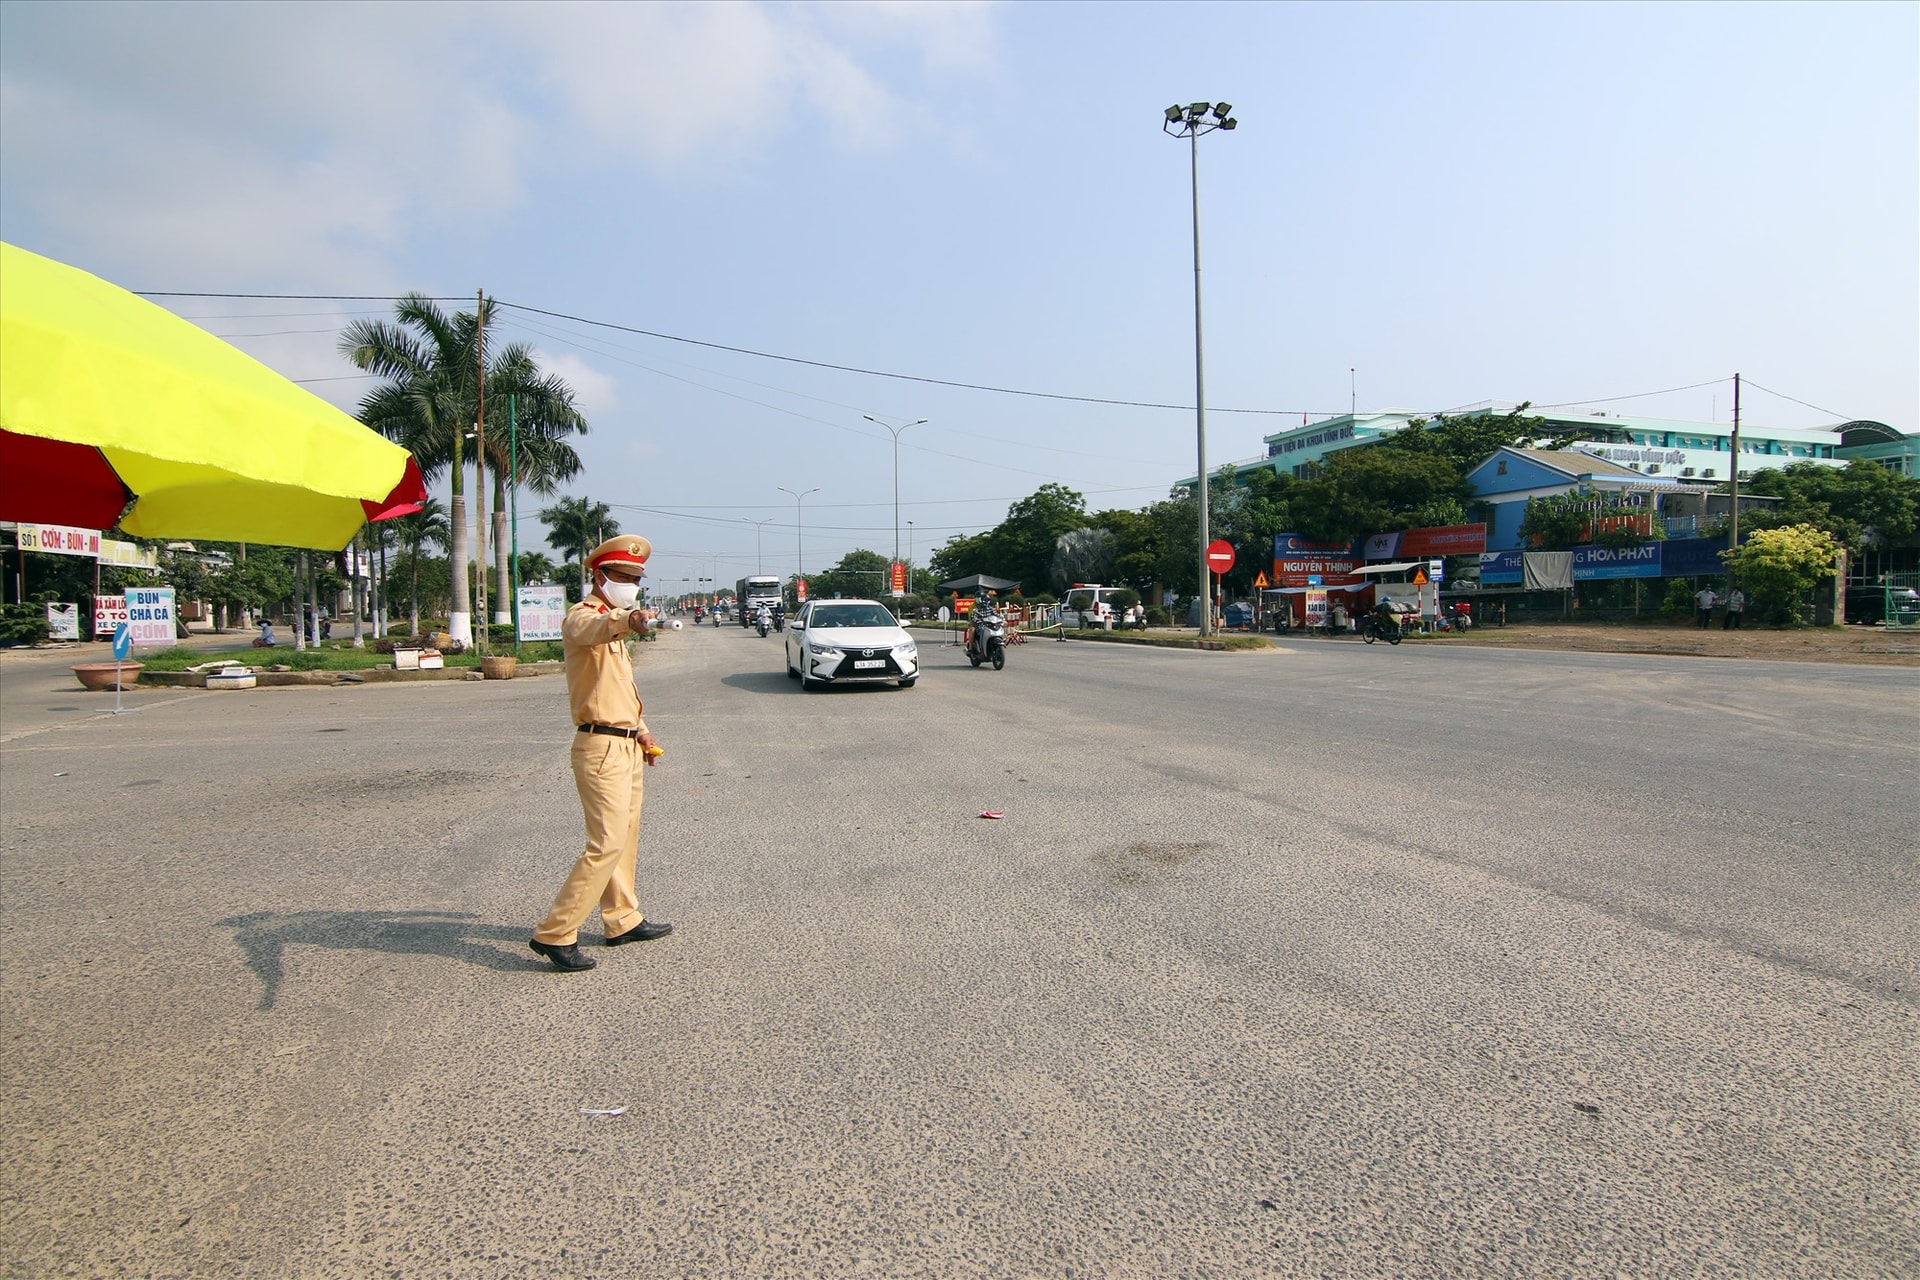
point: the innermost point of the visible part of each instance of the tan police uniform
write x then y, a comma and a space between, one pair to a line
608, 767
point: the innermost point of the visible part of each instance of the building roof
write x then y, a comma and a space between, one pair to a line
1573, 464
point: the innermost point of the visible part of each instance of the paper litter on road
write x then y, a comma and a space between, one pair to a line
992, 813
603, 1111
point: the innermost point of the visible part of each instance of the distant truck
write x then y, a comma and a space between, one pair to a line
753, 592
1089, 605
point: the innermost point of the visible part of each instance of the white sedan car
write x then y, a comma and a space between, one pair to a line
848, 641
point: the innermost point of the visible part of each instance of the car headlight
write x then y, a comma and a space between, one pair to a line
908, 649
825, 651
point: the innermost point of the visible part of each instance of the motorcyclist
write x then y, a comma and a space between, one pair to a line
983, 611
763, 618
1384, 617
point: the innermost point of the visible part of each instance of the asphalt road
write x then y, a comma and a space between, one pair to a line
1332, 960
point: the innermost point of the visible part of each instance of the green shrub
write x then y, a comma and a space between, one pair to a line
24, 624
1678, 602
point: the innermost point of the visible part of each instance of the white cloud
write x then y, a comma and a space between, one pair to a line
293, 144
594, 393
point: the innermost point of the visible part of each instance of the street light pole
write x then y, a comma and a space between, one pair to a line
799, 551
1190, 122
909, 557
896, 474
759, 564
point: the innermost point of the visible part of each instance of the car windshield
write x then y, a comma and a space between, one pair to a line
852, 615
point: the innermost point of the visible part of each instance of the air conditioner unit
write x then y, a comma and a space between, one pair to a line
1686, 471
1653, 468
1707, 474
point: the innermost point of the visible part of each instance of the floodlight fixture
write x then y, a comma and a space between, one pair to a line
1173, 115
1221, 110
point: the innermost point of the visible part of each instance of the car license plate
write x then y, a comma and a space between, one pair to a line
870, 664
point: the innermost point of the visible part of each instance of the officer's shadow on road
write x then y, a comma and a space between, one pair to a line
264, 937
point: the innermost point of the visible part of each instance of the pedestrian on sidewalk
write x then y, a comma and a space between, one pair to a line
1736, 608
1703, 601
611, 747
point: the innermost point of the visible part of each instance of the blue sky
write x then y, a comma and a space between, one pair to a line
1459, 203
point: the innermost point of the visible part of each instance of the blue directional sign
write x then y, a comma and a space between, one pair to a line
122, 642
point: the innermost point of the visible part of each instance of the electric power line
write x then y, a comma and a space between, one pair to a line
1638, 395
1838, 417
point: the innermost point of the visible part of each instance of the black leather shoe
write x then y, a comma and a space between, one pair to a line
567, 959
645, 931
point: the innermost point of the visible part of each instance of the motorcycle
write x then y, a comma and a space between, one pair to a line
1372, 628
760, 625
987, 641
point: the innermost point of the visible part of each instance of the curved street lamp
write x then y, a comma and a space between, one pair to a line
759, 565
799, 555
896, 473
1190, 122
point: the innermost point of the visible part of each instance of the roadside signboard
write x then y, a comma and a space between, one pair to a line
59, 539
128, 555
108, 613
1220, 555
150, 615
122, 642
800, 589
63, 621
899, 579
543, 610
1316, 608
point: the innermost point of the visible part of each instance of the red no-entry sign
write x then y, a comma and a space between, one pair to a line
1219, 555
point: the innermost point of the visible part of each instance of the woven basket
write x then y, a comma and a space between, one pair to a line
498, 666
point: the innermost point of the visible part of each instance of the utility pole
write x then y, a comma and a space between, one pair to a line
1733, 512
481, 566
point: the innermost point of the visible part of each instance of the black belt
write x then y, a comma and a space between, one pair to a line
612, 731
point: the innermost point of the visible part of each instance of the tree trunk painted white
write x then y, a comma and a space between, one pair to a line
362, 596
460, 617
503, 583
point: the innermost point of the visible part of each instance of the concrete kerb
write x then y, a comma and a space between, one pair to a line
328, 679
1132, 637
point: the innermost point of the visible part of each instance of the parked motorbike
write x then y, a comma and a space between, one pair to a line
1372, 628
988, 641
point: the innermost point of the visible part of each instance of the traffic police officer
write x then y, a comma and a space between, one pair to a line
611, 745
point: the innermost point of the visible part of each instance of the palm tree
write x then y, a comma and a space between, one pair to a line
430, 402
534, 567
428, 524
426, 406
540, 414
576, 526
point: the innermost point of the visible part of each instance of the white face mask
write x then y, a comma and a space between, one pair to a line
621, 595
